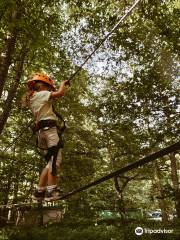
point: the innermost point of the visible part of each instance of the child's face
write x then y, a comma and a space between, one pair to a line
40, 86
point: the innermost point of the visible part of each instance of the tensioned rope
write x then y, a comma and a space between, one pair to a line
91, 54
105, 38
172, 148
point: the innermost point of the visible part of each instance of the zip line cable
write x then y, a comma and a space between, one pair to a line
105, 38
149, 158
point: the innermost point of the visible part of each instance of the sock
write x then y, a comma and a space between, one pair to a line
41, 189
51, 188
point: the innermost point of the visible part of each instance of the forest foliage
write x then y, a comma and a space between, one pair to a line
121, 106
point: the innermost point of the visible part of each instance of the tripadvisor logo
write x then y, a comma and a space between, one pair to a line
139, 231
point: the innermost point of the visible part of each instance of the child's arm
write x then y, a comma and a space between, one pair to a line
60, 91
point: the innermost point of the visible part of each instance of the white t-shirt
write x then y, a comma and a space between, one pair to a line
41, 106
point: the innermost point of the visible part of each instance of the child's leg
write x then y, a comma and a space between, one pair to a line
52, 180
52, 192
52, 140
43, 177
46, 177
39, 193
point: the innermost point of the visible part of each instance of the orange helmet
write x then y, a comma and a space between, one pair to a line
40, 77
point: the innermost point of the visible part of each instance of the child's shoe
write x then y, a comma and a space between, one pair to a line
53, 195
38, 195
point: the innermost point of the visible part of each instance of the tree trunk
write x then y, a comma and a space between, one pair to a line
175, 181
12, 92
8, 51
16, 185
119, 190
7, 187
162, 203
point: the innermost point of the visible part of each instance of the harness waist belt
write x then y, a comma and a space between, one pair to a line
45, 123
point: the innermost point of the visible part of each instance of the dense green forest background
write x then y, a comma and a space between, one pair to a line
121, 106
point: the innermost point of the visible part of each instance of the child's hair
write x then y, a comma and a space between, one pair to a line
25, 100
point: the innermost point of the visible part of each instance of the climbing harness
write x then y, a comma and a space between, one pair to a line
45, 124
52, 152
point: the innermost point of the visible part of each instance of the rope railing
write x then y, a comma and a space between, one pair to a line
172, 148
154, 156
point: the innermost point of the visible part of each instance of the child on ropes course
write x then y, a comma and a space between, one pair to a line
39, 99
